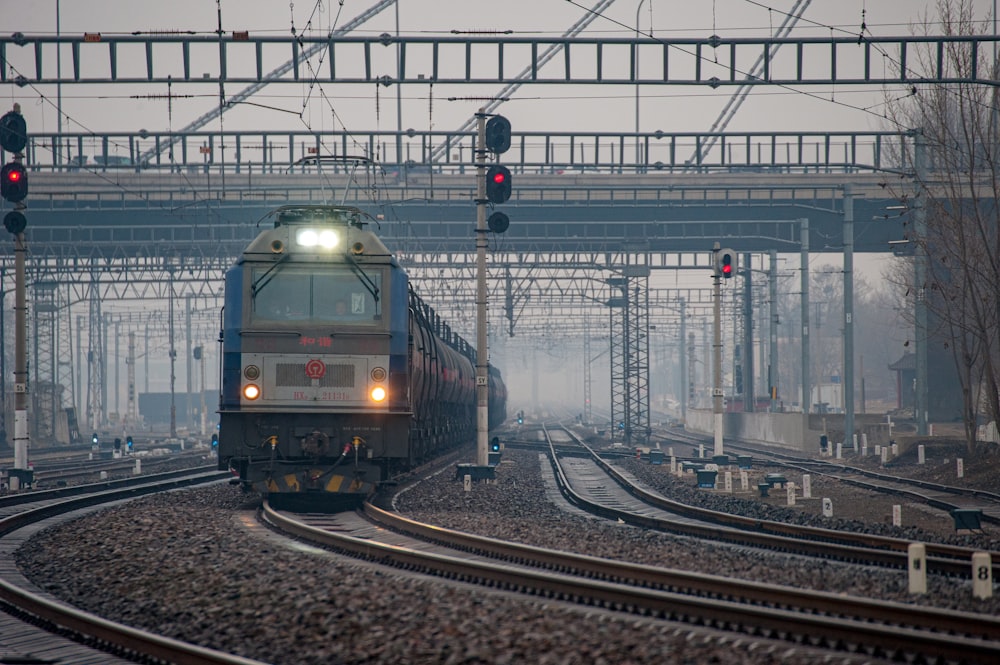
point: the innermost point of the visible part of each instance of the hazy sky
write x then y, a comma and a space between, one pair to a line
668, 108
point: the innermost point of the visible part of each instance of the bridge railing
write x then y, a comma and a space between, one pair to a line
181, 194
409, 152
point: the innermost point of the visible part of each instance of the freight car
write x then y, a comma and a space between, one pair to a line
336, 375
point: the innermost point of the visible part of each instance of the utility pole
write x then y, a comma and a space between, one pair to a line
14, 188
723, 266
482, 358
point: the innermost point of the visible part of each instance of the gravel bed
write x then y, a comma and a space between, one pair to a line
192, 564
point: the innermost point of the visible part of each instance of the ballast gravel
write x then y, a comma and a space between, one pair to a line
195, 565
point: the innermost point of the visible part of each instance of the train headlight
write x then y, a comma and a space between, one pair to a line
327, 238
307, 237
378, 394
251, 391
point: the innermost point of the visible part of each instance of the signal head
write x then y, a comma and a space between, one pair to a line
498, 222
14, 182
498, 134
15, 222
725, 264
498, 184
13, 131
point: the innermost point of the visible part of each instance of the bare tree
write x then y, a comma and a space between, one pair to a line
957, 124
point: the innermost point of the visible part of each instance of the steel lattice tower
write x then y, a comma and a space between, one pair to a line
629, 312
45, 388
637, 354
617, 304
95, 357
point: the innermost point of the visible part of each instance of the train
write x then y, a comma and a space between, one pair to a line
336, 375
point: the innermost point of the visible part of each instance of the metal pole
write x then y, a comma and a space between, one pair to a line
59, 114
638, 148
685, 382
21, 438
804, 277
919, 284
173, 360
772, 354
79, 368
482, 354
203, 416
118, 334
188, 361
3, 360
749, 397
717, 352
849, 439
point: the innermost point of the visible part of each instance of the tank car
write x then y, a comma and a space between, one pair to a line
336, 375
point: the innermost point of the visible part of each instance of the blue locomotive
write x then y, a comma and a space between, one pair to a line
336, 375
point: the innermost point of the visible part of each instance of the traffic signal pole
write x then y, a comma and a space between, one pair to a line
20, 362
717, 352
482, 353
14, 188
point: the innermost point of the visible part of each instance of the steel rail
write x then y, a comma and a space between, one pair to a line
815, 541
120, 637
721, 612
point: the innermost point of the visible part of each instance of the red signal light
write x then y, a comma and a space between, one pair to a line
498, 184
724, 263
13, 182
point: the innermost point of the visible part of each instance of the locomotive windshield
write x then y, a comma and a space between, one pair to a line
316, 295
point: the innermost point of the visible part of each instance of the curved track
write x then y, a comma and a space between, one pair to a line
936, 495
813, 619
46, 630
591, 483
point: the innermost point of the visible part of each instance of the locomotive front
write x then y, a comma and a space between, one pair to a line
314, 392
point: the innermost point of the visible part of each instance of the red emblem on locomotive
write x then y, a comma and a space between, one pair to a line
315, 369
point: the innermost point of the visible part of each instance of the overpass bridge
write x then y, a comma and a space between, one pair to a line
577, 263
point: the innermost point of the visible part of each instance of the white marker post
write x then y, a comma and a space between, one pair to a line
807, 486
729, 482
790, 490
917, 555
744, 480
960, 467
921, 454
827, 507
982, 575
897, 515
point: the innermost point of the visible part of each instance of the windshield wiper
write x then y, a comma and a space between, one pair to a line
365, 279
257, 287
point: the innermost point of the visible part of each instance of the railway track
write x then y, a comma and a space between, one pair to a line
936, 495
37, 628
828, 621
593, 484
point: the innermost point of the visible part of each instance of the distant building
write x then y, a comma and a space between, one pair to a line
944, 395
